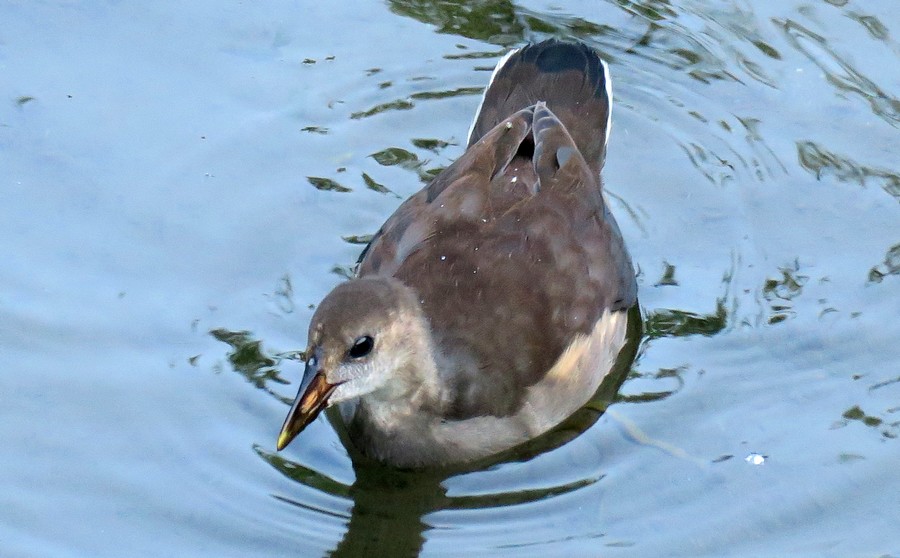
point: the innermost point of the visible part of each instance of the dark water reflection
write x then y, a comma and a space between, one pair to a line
183, 182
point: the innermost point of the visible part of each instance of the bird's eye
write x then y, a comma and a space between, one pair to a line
361, 347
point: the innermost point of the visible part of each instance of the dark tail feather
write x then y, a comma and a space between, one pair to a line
570, 78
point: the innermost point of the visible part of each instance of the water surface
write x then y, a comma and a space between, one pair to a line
181, 183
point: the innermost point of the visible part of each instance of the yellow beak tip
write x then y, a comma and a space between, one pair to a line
283, 440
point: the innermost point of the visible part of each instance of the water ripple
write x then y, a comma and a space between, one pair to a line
841, 73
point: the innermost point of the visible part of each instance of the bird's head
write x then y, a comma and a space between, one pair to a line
361, 342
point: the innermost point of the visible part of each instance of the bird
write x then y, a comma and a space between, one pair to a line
489, 307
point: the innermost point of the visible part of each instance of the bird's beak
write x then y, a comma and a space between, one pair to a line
311, 399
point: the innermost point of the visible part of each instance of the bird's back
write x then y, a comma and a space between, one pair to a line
511, 250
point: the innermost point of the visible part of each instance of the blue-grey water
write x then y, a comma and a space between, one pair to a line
180, 182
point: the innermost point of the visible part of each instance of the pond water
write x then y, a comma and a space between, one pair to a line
182, 182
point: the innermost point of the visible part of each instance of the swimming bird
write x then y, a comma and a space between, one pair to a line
490, 306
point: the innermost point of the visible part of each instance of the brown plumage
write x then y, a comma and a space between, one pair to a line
493, 294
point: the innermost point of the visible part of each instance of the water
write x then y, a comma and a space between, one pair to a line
180, 182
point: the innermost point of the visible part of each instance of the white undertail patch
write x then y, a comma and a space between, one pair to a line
502, 62
607, 82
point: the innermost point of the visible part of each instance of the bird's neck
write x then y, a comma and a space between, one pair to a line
401, 413
415, 388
